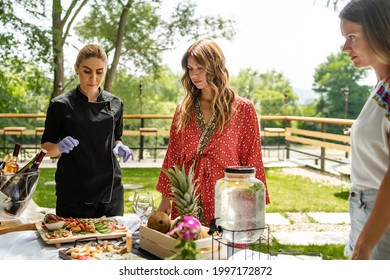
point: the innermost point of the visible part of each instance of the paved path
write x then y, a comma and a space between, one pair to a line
309, 228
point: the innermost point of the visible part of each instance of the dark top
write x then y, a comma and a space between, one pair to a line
90, 172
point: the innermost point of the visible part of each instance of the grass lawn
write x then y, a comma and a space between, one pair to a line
288, 193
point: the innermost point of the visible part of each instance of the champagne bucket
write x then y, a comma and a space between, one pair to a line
16, 192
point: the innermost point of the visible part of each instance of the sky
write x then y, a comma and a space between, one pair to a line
289, 36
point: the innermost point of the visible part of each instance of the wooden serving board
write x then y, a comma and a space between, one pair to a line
16, 225
58, 241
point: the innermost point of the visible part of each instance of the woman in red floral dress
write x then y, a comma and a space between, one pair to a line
213, 125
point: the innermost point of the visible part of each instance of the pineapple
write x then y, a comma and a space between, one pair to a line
184, 190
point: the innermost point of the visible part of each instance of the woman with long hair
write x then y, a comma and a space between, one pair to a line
211, 129
365, 24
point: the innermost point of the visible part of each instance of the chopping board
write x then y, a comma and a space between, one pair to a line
58, 241
15, 225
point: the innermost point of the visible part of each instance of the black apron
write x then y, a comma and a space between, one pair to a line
90, 172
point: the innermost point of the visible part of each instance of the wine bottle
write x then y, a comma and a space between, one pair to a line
34, 163
17, 188
5, 159
32, 178
12, 166
2, 164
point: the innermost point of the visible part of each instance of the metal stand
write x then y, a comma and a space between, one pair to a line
230, 249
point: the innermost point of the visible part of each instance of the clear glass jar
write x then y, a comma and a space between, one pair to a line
240, 205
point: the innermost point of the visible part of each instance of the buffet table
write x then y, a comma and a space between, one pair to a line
28, 244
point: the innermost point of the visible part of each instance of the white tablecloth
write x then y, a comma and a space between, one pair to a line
28, 245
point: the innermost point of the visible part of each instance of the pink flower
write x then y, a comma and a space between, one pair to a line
189, 228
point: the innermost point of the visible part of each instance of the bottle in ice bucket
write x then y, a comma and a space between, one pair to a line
16, 190
12, 166
240, 205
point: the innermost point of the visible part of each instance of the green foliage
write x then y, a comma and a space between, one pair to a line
22, 32
148, 34
23, 88
159, 96
269, 91
187, 249
330, 79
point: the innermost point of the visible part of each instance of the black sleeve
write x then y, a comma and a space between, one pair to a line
52, 124
119, 122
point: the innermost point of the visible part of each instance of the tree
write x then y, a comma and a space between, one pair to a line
23, 83
330, 79
62, 19
267, 90
329, 3
132, 32
27, 33
142, 34
22, 34
23, 89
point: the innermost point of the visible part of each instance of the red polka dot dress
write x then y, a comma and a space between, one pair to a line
238, 145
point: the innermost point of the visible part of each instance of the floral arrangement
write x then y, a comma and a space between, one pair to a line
188, 230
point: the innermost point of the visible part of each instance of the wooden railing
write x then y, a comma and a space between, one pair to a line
321, 139
289, 133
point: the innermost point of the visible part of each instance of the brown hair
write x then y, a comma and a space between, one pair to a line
91, 50
374, 17
208, 54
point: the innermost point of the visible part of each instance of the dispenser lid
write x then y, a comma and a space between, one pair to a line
240, 169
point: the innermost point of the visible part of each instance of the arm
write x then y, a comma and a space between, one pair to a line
378, 221
165, 205
51, 148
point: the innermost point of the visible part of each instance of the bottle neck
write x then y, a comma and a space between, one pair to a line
16, 151
38, 160
40, 157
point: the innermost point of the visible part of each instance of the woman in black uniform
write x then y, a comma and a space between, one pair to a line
85, 126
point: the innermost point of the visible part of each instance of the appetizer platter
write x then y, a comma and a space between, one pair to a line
99, 251
57, 230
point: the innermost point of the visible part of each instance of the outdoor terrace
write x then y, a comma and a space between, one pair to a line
148, 136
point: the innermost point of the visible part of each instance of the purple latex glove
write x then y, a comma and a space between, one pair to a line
123, 151
67, 144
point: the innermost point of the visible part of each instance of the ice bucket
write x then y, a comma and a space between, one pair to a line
16, 191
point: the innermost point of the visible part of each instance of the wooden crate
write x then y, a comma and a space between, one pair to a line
163, 246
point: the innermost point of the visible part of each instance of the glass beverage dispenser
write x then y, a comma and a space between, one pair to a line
240, 205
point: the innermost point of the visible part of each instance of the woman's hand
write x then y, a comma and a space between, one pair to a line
165, 205
361, 252
66, 145
123, 151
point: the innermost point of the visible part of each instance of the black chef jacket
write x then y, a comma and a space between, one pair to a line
90, 172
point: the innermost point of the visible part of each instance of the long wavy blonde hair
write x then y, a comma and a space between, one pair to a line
208, 54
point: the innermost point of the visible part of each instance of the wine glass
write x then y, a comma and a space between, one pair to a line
143, 203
